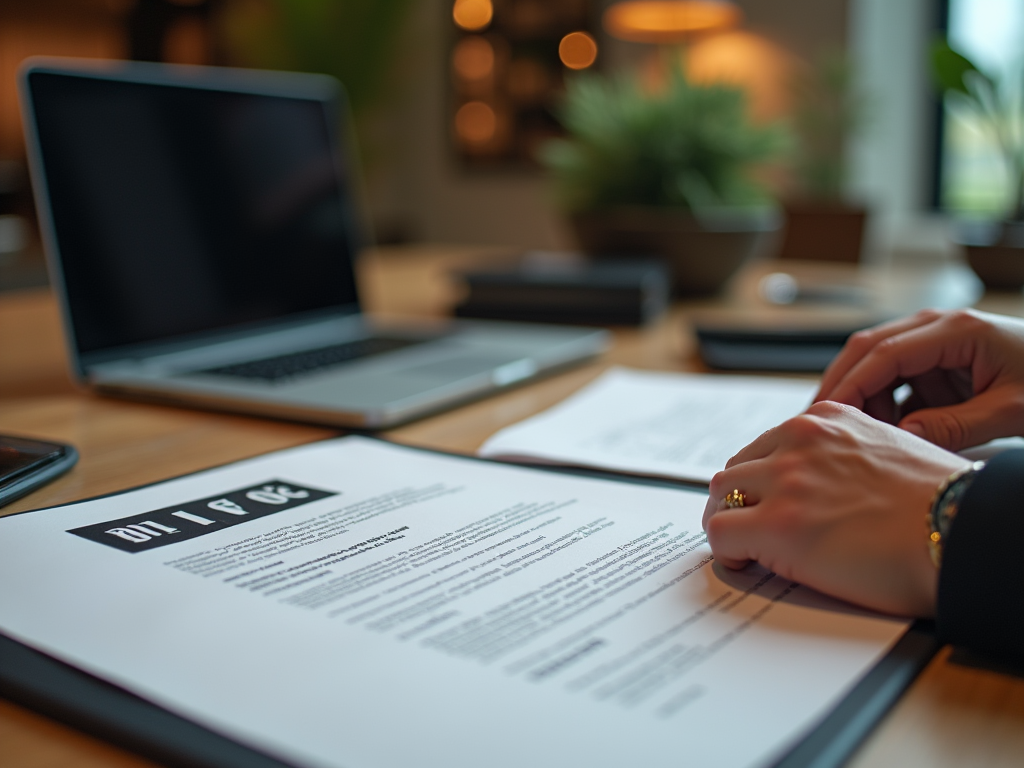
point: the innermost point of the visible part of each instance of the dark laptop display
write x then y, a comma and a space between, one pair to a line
181, 211
201, 228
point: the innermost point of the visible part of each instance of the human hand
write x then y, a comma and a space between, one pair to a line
835, 500
966, 370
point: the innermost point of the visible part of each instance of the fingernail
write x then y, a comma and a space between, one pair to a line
915, 429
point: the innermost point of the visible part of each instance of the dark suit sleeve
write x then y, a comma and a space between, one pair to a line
981, 584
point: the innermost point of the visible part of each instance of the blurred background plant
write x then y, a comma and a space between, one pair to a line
683, 145
994, 249
436, 178
828, 111
998, 106
359, 42
354, 40
666, 170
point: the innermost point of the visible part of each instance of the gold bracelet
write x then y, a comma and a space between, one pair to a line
945, 505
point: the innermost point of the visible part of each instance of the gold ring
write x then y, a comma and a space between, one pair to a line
735, 498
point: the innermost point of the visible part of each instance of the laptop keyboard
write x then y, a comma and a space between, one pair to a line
299, 363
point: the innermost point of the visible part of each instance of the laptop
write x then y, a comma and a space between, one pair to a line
200, 226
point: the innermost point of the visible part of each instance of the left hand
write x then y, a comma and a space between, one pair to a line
837, 501
965, 369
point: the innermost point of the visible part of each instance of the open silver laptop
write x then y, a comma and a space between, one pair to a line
200, 226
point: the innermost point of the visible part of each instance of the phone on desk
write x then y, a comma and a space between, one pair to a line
26, 464
776, 339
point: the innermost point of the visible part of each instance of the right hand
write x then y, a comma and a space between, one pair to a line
837, 501
966, 370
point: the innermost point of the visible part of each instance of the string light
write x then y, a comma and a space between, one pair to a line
473, 58
578, 50
473, 15
475, 122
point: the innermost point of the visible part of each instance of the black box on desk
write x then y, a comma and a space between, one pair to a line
605, 292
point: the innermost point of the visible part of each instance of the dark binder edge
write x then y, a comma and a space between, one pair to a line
98, 708
89, 704
834, 740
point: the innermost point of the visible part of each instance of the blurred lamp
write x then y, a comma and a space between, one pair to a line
668, 21
472, 15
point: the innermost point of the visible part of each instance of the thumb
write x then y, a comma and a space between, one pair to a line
963, 425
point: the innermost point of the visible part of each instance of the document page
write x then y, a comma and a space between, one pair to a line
355, 603
682, 426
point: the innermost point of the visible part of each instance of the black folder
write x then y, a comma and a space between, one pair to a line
66, 694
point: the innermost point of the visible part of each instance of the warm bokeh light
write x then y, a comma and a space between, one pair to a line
23, 35
668, 21
578, 50
473, 15
473, 58
476, 122
763, 68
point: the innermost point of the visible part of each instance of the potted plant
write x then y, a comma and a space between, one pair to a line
995, 249
669, 171
356, 41
821, 224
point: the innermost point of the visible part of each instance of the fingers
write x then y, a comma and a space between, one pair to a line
738, 472
881, 406
734, 535
976, 421
862, 343
762, 446
717, 503
904, 356
936, 389
747, 472
747, 478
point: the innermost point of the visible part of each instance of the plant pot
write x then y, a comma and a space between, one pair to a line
995, 251
702, 252
823, 231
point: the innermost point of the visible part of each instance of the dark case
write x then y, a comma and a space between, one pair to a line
581, 293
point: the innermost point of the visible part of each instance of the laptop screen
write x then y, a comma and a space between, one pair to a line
181, 210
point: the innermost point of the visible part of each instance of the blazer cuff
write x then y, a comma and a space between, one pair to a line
981, 582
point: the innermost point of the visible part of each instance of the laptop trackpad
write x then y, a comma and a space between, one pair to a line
455, 368
378, 388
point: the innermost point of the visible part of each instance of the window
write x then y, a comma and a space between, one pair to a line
972, 179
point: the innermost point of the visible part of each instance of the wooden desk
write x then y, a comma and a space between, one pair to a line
952, 716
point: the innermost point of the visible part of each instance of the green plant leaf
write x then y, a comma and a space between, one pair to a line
687, 146
951, 68
353, 40
994, 107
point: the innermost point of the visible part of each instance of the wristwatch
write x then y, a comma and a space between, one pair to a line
945, 505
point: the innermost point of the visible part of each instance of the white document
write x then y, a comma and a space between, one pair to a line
353, 603
682, 426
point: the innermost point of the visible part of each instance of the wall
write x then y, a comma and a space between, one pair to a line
890, 160
416, 187
47, 27
444, 203
441, 201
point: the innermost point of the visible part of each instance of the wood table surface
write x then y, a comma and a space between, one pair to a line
953, 715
